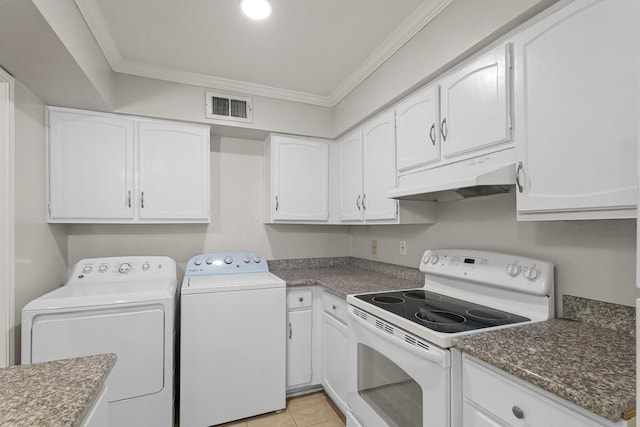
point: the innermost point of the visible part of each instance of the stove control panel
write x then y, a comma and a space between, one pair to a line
226, 263
110, 269
494, 269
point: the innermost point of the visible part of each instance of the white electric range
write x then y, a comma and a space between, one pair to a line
399, 362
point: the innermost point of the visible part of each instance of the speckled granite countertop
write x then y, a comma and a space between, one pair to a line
343, 276
586, 363
52, 394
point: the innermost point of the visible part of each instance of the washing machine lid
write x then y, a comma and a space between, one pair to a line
230, 282
91, 294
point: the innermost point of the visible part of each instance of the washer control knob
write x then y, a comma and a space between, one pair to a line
434, 259
145, 266
209, 261
425, 260
246, 260
228, 260
513, 270
103, 268
257, 260
87, 269
533, 274
198, 261
124, 268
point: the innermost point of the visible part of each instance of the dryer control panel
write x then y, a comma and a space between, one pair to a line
129, 268
226, 263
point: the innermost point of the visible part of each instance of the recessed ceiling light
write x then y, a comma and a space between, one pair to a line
256, 9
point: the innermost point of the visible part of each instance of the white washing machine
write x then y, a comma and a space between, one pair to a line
121, 305
232, 339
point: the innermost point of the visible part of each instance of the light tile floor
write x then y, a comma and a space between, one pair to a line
313, 409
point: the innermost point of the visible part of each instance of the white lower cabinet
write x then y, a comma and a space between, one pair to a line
334, 351
299, 337
493, 398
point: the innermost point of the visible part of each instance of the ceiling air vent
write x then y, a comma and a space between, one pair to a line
225, 107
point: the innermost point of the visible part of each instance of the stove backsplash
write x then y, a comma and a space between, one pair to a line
599, 313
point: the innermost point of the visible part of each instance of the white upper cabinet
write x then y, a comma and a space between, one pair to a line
174, 171
297, 181
417, 130
105, 168
379, 168
576, 107
91, 167
350, 182
475, 109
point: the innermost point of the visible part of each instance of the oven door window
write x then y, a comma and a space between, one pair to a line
388, 389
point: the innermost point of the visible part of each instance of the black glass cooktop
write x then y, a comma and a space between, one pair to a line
440, 313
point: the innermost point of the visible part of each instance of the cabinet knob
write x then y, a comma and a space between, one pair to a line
301, 299
517, 412
334, 306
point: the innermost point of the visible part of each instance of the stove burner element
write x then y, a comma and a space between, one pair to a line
488, 314
440, 317
422, 295
384, 299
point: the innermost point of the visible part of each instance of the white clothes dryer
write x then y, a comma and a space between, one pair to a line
121, 305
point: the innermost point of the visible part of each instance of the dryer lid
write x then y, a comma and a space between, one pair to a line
230, 282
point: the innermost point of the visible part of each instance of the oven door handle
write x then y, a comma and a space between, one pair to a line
432, 354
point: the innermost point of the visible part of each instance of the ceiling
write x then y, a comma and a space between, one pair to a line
312, 51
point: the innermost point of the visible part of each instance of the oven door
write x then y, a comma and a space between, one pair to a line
395, 379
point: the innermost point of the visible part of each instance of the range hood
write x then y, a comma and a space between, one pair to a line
483, 175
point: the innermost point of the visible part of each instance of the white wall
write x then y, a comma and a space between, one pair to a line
41, 249
237, 189
593, 259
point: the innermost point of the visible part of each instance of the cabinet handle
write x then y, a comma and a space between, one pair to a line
364, 207
517, 412
290, 330
443, 129
277, 204
358, 202
129, 199
432, 134
334, 306
142, 200
518, 183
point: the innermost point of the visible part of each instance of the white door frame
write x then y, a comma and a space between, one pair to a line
7, 220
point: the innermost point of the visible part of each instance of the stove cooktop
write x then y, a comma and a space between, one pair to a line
439, 312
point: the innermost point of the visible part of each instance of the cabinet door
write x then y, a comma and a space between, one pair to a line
90, 167
174, 171
576, 105
350, 153
475, 108
379, 168
298, 347
476, 417
335, 359
417, 130
300, 179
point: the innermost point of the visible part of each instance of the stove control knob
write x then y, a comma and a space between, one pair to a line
209, 261
532, 274
103, 268
513, 270
257, 260
87, 269
198, 261
246, 260
124, 268
434, 259
145, 266
228, 259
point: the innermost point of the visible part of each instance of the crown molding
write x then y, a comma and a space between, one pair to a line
427, 11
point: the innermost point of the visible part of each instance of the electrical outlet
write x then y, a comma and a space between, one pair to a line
374, 247
403, 247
